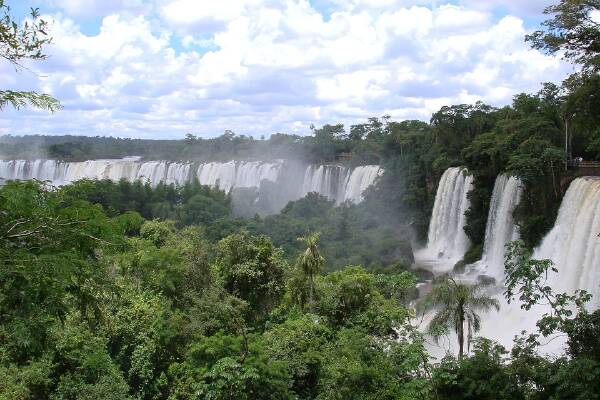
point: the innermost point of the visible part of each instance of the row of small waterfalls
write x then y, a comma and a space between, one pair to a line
292, 180
573, 244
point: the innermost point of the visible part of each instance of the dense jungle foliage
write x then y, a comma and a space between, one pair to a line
118, 290
101, 303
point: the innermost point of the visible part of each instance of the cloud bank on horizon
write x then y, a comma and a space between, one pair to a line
164, 68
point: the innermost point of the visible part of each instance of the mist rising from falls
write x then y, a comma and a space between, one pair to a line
447, 241
336, 182
573, 244
500, 228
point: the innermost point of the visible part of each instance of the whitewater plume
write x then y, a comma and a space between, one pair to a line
328, 180
500, 228
336, 182
573, 244
359, 180
447, 240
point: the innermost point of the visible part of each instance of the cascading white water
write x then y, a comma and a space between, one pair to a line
360, 179
338, 183
333, 181
327, 180
573, 244
61, 173
237, 174
500, 228
447, 241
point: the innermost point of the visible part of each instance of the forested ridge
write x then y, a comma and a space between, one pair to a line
124, 290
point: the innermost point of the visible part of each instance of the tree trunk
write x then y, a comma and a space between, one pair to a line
461, 334
310, 291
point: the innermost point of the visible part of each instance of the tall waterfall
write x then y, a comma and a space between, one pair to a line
237, 174
359, 180
337, 182
328, 180
500, 228
573, 244
447, 241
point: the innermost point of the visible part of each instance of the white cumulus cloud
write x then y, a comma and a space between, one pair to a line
162, 68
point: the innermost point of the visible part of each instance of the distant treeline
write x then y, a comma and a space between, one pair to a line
326, 144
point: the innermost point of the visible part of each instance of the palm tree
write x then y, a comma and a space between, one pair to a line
310, 260
454, 304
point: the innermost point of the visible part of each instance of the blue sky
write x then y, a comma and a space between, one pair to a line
164, 68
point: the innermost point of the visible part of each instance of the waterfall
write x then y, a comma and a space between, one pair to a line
336, 182
327, 180
447, 240
360, 179
500, 228
237, 174
573, 244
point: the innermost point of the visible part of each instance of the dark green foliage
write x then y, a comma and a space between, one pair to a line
573, 31
350, 234
252, 269
486, 375
583, 335
191, 204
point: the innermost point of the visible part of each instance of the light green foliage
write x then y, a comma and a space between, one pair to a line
299, 343
157, 232
360, 367
145, 335
253, 269
130, 222
88, 371
352, 297
229, 367
25, 382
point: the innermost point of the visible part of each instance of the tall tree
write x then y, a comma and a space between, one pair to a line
456, 304
24, 42
311, 261
574, 30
